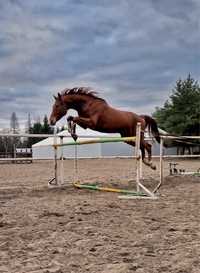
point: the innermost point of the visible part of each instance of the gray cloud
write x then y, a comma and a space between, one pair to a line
131, 51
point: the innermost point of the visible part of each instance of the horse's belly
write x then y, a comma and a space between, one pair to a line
108, 129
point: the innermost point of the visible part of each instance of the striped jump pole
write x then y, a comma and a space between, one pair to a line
54, 181
97, 140
161, 166
61, 163
138, 155
108, 189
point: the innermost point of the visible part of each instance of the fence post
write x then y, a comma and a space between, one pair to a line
55, 155
61, 163
161, 166
138, 155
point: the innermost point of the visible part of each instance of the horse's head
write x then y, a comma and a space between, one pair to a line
59, 109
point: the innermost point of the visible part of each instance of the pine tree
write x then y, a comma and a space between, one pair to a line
46, 129
40, 128
14, 124
181, 113
28, 129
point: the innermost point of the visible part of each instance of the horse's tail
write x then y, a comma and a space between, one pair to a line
152, 126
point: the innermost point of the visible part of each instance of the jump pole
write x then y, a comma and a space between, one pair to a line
98, 140
141, 172
138, 155
107, 189
61, 163
75, 164
161, 166
54, 181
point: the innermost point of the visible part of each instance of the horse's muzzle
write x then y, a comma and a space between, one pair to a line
52, 121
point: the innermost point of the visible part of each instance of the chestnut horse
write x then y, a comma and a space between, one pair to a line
95, 113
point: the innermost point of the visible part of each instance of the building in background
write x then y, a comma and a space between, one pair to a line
44, 149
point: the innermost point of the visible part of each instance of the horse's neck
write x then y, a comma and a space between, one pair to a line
77, 102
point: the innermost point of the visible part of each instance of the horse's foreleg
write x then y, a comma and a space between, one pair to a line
72, 127
85, 122
82, 122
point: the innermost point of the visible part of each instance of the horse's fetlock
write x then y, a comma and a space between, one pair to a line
70, 118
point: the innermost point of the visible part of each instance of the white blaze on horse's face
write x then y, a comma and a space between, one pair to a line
58, 111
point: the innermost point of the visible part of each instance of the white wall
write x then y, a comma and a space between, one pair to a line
47, 152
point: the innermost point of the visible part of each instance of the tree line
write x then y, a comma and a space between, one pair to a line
8, 144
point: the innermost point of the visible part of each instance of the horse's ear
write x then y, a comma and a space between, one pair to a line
55, 97
59, 96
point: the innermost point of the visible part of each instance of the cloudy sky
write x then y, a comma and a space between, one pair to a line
131, 51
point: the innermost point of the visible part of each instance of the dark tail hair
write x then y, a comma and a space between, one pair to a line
152, 126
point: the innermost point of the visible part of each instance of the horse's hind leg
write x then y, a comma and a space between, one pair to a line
146, 146
143, 146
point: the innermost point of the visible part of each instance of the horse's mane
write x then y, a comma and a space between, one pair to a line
87, 91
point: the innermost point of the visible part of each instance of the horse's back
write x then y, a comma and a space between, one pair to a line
114, 120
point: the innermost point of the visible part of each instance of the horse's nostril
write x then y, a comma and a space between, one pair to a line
52, 121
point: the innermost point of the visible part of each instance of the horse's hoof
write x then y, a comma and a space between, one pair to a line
70, 118
74, 136
153, 167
